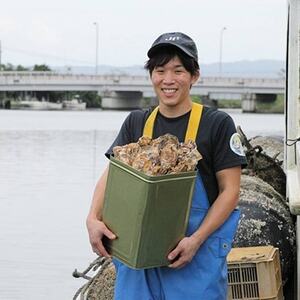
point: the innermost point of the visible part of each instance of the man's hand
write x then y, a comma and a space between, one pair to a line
184, 252
97, 229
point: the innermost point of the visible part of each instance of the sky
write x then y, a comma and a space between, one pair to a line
63, 33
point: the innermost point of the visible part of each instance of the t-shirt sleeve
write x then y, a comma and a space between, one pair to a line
227, 146
122, 138
130, 131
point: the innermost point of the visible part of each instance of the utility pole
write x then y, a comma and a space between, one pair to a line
0, 57
97, 45
221, 50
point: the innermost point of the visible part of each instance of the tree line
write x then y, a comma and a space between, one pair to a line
92, 99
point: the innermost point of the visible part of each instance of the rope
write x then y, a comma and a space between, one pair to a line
244, 139
292, 142
100, 264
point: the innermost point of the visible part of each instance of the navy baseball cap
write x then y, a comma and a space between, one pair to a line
177, 39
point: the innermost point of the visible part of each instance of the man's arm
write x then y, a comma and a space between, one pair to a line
96, 228
229, 187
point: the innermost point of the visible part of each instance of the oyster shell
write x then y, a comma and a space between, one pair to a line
163, 155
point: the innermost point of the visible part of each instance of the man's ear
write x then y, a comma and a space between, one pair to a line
195, 77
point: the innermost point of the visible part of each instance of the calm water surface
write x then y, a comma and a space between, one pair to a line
49, 164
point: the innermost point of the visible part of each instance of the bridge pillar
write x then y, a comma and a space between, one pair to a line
249, 103
4, 101
121, 100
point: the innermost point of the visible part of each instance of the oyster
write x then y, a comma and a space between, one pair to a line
163, 155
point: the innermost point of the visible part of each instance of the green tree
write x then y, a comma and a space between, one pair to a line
21, 68
42, 68
92, 99
11, 67
8, 67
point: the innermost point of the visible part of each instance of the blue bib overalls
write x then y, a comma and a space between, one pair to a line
204, 278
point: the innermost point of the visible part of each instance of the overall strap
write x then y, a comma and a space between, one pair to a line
194, 122
149, 125
193, 125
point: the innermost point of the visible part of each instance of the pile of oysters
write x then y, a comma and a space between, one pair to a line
164, 155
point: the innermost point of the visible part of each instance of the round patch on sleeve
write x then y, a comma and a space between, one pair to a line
236, 144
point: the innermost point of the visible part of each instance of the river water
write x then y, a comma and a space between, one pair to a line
49, 164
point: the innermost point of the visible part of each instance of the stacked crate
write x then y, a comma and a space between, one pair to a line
254, 273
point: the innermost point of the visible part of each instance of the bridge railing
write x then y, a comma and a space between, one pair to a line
15, 77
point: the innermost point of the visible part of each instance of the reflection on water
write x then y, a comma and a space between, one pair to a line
49, 163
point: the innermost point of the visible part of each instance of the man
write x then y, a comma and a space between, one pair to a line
197, 268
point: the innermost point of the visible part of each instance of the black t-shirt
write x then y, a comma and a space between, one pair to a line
215, 141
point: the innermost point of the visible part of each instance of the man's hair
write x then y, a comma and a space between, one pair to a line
167, 53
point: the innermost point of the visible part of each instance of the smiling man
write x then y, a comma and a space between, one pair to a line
197, 268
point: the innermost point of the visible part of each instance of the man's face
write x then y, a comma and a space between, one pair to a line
172, 83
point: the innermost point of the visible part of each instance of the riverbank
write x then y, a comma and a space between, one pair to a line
275, 107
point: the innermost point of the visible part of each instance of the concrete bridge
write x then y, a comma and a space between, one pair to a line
125, 91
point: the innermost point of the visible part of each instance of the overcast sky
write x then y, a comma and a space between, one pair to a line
61, 32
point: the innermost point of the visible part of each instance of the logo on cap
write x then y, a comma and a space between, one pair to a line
172, 38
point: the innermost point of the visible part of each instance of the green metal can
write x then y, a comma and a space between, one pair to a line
148, 214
